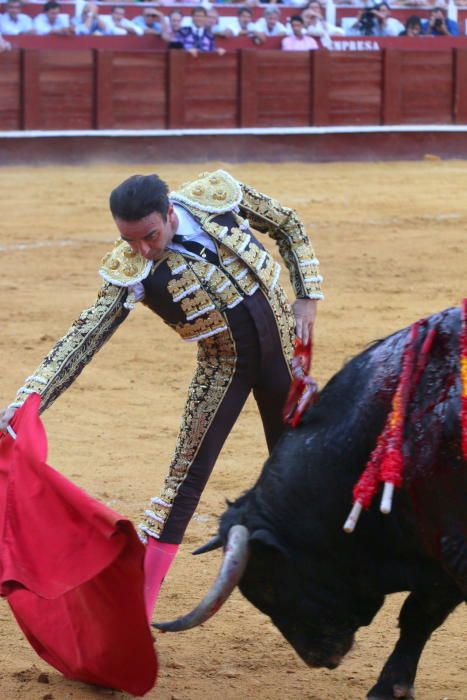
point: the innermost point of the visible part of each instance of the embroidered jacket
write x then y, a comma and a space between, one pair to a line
190, 295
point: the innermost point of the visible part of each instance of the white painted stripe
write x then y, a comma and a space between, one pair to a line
252, 131
12, 432
36, 244
60, 243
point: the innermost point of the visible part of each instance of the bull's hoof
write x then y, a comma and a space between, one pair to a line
399, 690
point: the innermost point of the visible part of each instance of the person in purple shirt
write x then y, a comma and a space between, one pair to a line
198, 37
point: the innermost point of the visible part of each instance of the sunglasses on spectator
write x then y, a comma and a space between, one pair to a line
150, 14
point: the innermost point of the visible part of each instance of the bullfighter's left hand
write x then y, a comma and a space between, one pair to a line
305, 315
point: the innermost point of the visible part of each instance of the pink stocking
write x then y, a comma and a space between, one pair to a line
157, 561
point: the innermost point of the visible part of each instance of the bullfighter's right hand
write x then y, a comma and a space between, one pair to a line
5, 417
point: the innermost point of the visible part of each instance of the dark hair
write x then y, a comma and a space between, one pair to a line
244, 9
296, 18
199, 8
413, 21
51, 5
139, 196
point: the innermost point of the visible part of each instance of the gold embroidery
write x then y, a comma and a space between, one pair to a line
285, 320
183, 285
68, 357
236, 239
215, 192
207, 325
214, 372
252, 255
282, 224
117, 270
196, 304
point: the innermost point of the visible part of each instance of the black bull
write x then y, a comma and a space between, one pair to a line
316, 583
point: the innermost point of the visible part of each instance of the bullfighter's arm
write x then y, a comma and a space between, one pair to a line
283, 225
93, 327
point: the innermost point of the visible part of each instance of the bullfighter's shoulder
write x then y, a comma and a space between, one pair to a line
124, 267
214, 192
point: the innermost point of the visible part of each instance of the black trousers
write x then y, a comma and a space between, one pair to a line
248, 357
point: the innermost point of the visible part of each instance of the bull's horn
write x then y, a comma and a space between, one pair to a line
214, 543
231, 571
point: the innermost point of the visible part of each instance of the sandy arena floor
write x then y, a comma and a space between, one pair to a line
391, 240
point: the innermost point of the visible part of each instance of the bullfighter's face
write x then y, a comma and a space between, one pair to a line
150, 235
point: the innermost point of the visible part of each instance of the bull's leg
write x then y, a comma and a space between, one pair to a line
423, 611
454, 557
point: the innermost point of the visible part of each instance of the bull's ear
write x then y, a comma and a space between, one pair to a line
267, 538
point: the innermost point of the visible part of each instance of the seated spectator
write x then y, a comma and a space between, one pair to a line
13, 21
89, 22
52, 21
215, 24
375, 20
243, 25
4, 44
152, 21
298, 40
269, 24
116, 24
198, 37
315, 24
439, 24
413, 26
171, 28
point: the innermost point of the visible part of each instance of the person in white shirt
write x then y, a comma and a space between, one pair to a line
13, 21
375, 20
88, 22
118, 25
219, 26
387, 26
4, 44
315, 24
52, 21
269, 24
243, 24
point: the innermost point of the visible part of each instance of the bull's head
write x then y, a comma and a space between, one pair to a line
318, 617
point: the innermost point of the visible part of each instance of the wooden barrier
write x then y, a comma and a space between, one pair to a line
275, 88
10, 91
126, 88
131, 89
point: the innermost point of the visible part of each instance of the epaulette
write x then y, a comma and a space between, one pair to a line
216, 192
123, 267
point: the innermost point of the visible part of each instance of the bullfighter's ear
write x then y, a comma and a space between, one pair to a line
267, 538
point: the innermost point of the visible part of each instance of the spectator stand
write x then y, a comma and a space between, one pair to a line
337, 10
74, 96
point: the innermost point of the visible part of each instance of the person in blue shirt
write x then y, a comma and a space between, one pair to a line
151, 21
438, 24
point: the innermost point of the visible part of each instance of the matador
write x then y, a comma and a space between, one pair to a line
191, 257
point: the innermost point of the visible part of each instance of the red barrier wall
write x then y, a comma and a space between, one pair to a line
126, 88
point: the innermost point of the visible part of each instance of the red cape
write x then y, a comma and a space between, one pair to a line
71, 568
